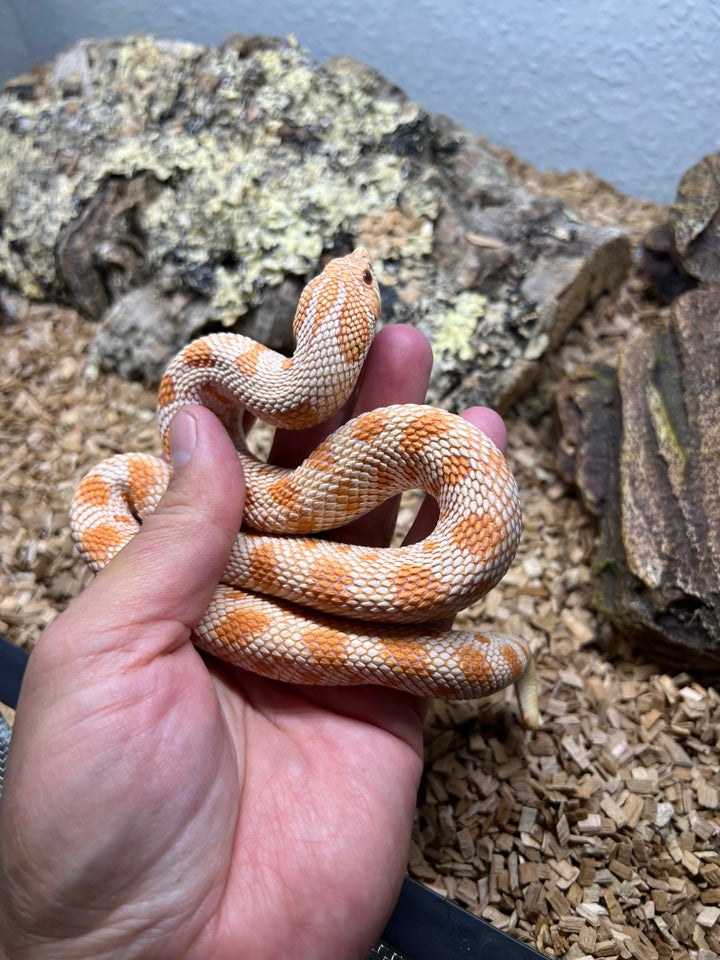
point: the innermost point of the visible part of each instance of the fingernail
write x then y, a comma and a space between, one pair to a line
183, 438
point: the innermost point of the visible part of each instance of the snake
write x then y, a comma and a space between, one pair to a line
293, 604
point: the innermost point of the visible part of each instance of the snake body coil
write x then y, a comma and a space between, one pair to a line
367, 612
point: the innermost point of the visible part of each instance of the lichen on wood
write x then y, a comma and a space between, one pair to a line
215, 180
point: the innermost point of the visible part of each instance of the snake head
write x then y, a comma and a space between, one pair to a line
346, 291
359, 266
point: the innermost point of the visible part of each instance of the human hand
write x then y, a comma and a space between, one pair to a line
158, 804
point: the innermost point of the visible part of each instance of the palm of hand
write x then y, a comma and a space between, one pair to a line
277, 824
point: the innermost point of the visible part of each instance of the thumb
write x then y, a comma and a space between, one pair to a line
158, 587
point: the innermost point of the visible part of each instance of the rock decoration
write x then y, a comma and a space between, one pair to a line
685, 249
166, 188
643, 446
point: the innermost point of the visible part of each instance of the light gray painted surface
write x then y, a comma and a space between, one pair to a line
628, 90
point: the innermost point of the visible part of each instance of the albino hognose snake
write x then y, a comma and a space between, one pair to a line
367, 612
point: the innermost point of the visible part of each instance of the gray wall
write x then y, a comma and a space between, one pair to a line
629, 89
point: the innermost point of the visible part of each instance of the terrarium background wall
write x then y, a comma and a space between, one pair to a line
627, 91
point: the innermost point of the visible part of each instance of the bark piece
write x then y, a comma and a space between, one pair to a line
644, 449
685, 250
216, 180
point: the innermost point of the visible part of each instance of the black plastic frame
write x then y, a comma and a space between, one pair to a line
423, 926
13, 661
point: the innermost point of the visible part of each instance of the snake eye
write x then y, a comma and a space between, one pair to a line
367, 277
